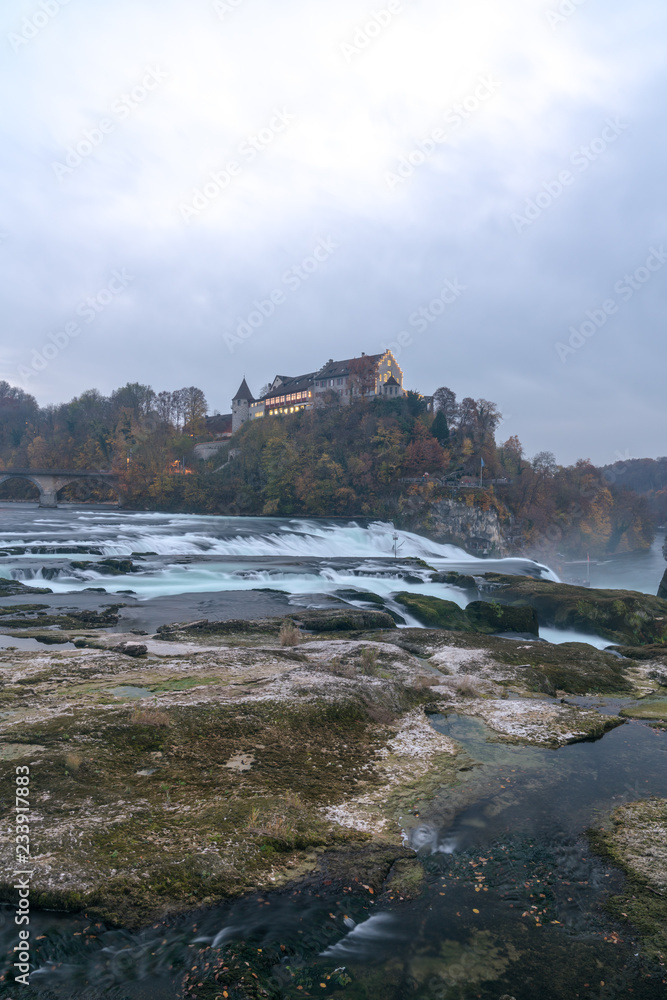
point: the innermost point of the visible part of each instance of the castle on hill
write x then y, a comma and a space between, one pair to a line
371, 376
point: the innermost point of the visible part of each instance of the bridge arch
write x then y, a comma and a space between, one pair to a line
49, 483
8, 477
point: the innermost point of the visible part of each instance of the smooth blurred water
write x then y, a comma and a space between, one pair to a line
177, 554
640, 571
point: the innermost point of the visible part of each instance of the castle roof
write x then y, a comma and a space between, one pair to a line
243, 394
289, 384
391, 381
219, 423
335, 369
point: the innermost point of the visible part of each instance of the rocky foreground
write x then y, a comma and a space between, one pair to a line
216, 758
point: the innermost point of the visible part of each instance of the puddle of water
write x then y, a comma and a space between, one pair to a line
129, 691
12, 642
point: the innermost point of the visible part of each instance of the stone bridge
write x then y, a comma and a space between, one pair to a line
49, 482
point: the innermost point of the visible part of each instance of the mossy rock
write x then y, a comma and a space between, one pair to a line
542, 667
407, 878
201, 829
637, 842
51, 638
651, 652
434, 612
231, 626
361, 595
325, 620
650, 709
622, 616
453, 579
490, 617
40, 616
109, 567
11, 588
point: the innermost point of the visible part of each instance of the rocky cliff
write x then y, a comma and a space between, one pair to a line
448, 521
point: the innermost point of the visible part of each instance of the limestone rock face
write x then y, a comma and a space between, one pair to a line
455, 523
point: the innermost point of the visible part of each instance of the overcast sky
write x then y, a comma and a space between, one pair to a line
194, 192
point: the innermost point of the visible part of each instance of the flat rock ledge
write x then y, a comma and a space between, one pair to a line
637, 842
534, 721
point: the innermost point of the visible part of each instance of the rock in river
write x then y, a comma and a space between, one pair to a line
622, 616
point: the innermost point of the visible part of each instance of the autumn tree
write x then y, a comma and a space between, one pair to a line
440, 428
445, 402
195, 408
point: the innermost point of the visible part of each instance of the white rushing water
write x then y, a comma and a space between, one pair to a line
177, 553
121, 534
309, 560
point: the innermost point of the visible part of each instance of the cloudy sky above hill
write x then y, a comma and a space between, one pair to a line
194, 192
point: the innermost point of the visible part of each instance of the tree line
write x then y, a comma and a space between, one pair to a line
333, 460
97, 432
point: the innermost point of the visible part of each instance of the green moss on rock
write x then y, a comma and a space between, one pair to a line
622, 616
543, 667
490, 617
12, 588
650, 709
406, 879
221, 800
637, 842
434, 612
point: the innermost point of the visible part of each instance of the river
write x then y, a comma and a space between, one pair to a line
190, 566
512, 904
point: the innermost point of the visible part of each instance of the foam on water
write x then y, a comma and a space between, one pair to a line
271, 542
193, 554
121, 534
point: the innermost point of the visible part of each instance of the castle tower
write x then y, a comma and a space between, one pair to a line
241, 406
